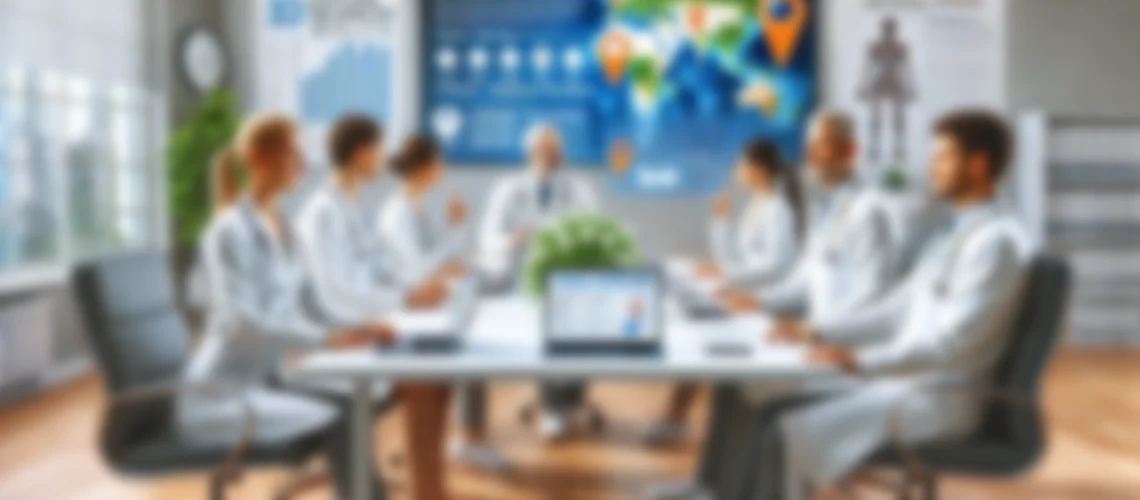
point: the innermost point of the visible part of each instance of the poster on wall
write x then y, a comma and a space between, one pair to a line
319, 59
662, 93
899, 64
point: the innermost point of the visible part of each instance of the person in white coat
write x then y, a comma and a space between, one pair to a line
346, 261
423, 243
766, 245
521, 203
849, 257
934, 342
845, 263
920, 357
519, 206
765, 242
263, 308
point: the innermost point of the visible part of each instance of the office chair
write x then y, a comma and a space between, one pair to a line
140, 341
1011, 438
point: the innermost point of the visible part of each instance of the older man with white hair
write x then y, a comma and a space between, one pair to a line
522, 202
519, 205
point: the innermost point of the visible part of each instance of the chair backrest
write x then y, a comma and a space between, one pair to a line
1035, 336
138, 336
132, 320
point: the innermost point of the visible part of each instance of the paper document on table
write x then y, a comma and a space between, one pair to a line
679, 267
413, 322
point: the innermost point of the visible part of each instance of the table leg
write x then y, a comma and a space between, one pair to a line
361, 439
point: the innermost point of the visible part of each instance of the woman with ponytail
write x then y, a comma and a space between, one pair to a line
769, 232
765, 248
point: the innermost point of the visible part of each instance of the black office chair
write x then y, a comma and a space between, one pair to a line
138, 336
1011, 438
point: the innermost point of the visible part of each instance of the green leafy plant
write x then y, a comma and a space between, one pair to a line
192, 147
895, 178
579, 241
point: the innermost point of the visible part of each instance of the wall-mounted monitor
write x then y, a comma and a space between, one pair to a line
664, 93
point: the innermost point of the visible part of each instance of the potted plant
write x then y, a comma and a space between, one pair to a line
895, 179
578, 241
210, 127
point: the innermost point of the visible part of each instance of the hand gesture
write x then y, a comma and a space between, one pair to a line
707, 269
346, 340
379, 332
833, 356
739, 301
456, 211
722, 205
791, 331
428, 295
521, 236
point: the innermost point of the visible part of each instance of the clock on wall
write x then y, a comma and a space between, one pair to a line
201, 58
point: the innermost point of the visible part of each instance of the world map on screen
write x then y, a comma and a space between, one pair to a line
661, 93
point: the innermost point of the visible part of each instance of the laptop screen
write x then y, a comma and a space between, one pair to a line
593, 306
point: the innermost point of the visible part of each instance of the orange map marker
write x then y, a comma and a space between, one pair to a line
615, 51
785, 32
622, 156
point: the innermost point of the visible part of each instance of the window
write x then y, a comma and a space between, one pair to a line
77, 171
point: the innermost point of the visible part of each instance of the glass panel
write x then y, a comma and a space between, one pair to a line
132, 177
89, 165
31, 214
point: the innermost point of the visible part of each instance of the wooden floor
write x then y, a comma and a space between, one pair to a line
1093, 403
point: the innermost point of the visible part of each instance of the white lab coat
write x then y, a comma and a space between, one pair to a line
947, 323
344, 259
849, 259
418, 240
515, 204
765, 245
260, 309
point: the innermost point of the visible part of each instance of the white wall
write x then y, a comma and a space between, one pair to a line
1075, 57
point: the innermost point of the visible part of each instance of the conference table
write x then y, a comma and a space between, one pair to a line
503, 339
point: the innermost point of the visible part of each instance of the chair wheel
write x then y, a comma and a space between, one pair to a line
527, 415
596, 423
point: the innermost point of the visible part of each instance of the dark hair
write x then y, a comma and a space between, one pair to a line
349, 135
416, 154
978, 131
763, 154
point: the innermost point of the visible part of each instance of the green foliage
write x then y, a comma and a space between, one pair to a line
192, 147
645, 73
580, 241
658, 8
729, 37
895, 178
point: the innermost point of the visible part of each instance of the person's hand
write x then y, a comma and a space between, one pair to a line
792, 331
834, 356
521, 236
452, 270
707, 269
722, 205
428, 295
379, 332
457, 211
738, 301
348, 340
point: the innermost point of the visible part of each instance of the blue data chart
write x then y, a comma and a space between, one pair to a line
355, 78
663, 93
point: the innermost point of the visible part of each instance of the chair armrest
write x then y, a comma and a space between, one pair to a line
912, 462
231, 467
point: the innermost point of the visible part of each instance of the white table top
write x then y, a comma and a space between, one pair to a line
504, 341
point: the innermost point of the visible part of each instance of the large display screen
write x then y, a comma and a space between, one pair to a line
664, 93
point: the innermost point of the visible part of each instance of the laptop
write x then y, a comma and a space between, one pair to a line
604, 312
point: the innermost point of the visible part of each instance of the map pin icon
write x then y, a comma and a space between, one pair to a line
783, 23
615, 51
